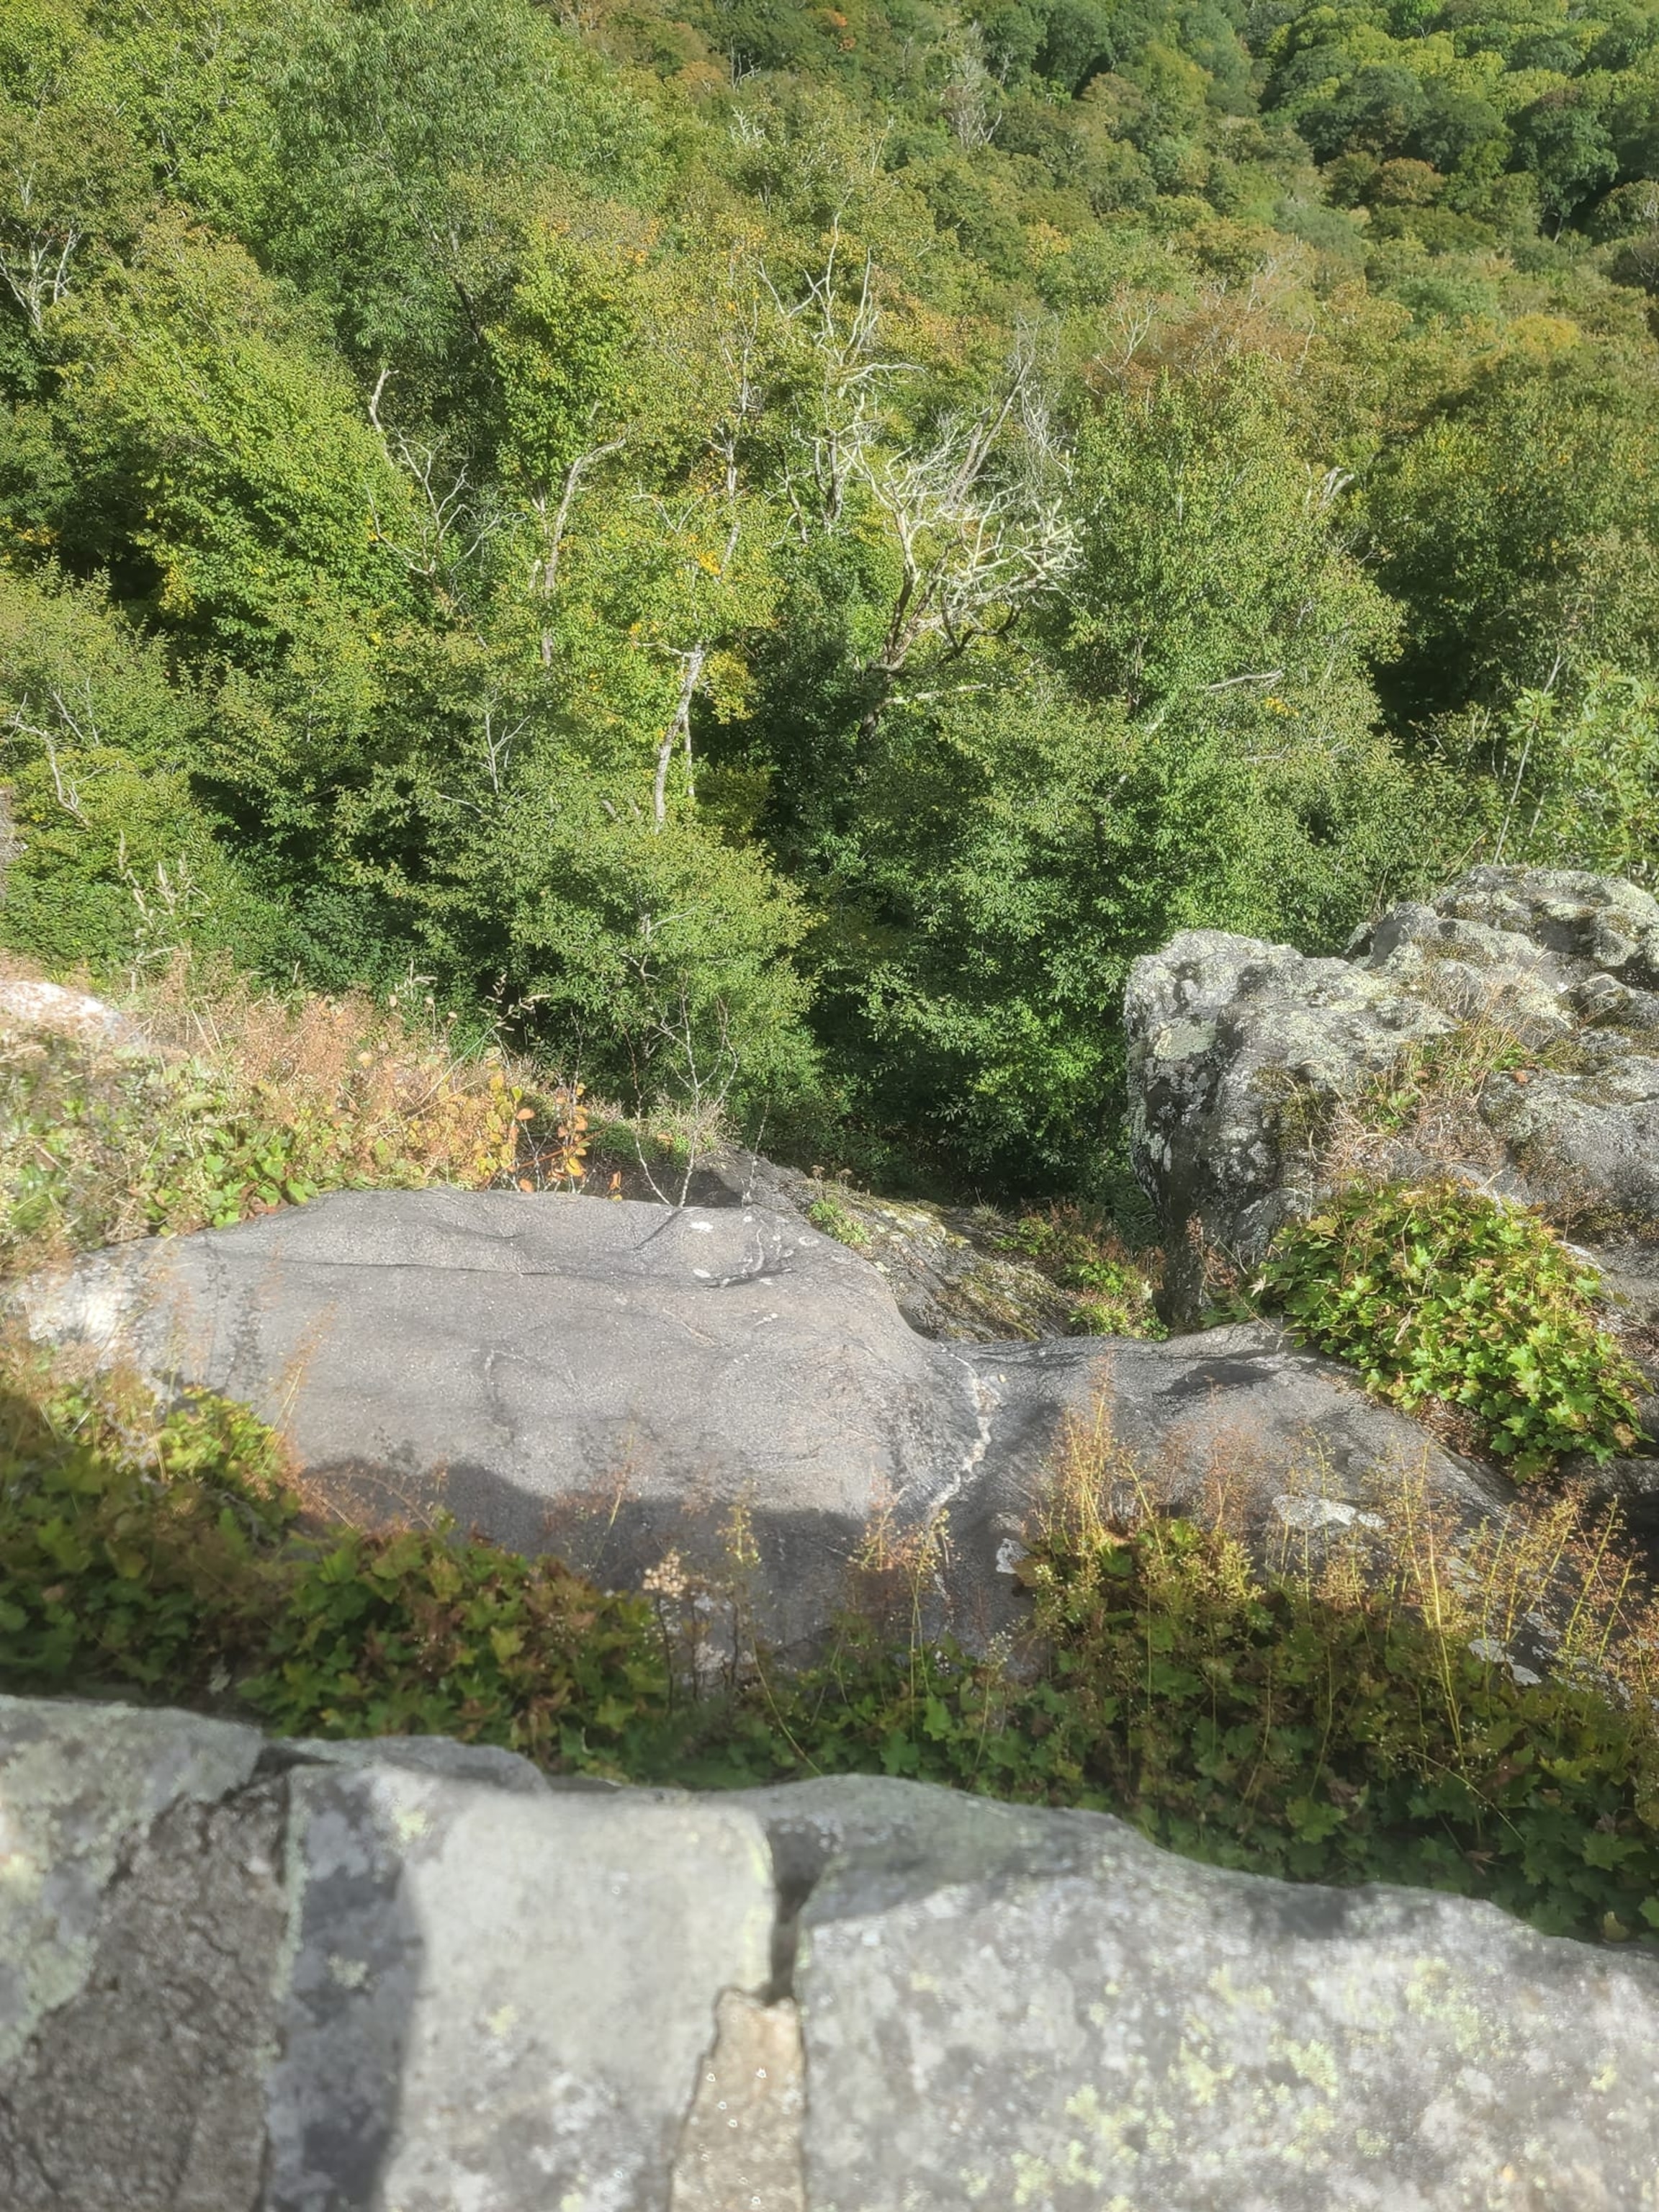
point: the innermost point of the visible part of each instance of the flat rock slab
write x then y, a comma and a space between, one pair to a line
1008, 2007
240, 1977
610, 1380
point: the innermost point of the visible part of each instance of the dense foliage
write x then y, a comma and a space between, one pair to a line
1439, 1292
215, 1103
183, 1564
1342, 1725
788, 543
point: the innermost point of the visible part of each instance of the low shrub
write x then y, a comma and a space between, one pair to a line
1342, 1734
135, 1547
1365, 1714
166, 1552
1437, 1292
829, 1214
245, 1104
1112, 1290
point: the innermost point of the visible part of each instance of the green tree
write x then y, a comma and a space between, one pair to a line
109, 855
73, 182
1516, 526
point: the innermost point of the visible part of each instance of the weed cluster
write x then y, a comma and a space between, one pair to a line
244, 1103
1112, 1291
829, 1214
1362, 1713
165, 1551
1437, 1292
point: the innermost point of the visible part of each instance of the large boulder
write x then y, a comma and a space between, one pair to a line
1538, 990
956, 1272
611, 1379
27, 1005
241, 1976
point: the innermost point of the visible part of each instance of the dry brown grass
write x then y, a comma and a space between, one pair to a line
226, 1100
389, 1067
1552, 1581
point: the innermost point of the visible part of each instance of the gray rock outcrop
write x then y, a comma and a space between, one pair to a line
609, 1380
28, 1004
240, 1978
956, 1272
1539, 990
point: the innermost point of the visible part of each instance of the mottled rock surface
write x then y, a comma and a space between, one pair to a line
610, 1380
1004, 2007
955, 1271
28, 1005
237, 1976
1542, 984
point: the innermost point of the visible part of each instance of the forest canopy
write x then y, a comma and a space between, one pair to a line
777, 546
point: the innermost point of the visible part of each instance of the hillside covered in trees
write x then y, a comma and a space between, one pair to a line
774, 548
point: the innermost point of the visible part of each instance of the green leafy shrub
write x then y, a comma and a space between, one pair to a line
168, 1553
416, 1634
134, 1551
1341, 1734
1363, 1718
1440, 1294
267, 1106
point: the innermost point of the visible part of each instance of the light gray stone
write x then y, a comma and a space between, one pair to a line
314, 1987
283, 1984
502, 2001
426, 1754
26, 1004
608, 1380
144, 2092
611, 1380
1240, 1422
1240, 1052
295, 1985
1012, 2008
955, 1271
83, 1784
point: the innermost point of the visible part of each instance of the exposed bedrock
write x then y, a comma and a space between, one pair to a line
252, 1977
1246, 1057
609, 1379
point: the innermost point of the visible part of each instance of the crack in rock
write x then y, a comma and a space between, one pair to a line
740, 2149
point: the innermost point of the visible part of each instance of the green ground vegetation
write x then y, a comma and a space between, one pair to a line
778, 547
1368, 1715
1438, 1292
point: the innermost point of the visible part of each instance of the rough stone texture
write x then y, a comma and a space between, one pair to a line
1281, 1431
610, 1379
306, 1986
1005, 2007
951, 1269
28, 1005
427, 1755
302, 1986
144, 2091
1240, 1050
78, 1791
501, 2000
606, 1379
